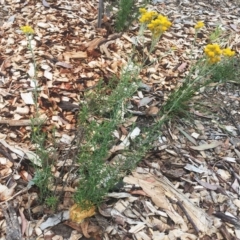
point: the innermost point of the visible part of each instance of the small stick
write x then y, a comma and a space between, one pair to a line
100, 12
24, 122
185, 212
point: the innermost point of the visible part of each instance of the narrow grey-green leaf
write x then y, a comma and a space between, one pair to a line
206, 146
191, 139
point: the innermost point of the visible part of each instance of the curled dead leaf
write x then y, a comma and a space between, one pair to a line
77, 214
5, 192
152, 111
84, 226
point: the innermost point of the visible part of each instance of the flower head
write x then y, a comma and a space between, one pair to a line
213, 52
228, 52
146, 16
159, 25
142, 10
27, 30
199, 25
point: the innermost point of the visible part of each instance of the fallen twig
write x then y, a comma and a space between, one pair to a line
186, 213
17, 123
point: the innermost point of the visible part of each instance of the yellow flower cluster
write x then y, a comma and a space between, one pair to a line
147, 16
156, 23
228, 52
27, 30
214, 52
159, 25
199, 25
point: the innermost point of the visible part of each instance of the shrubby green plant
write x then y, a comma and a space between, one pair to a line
202, 72
125, 15
98, 177
100, 115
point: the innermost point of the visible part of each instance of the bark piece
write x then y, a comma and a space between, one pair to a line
13, 230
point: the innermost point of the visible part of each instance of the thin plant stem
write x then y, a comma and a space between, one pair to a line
35, 73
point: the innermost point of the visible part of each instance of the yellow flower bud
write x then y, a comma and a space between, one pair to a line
199, 25
27, 30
